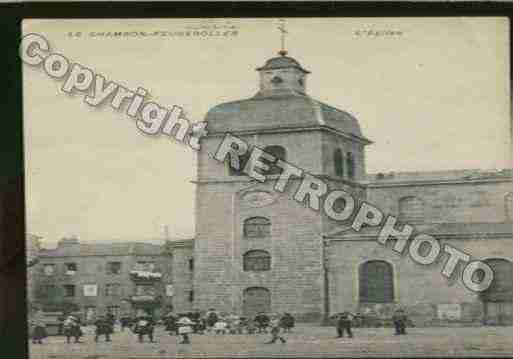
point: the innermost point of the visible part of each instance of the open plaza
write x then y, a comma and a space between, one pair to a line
304, 341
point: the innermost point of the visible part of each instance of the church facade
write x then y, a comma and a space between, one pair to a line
257, 249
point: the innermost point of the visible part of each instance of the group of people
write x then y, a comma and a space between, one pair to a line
210, 321
143, 326
344, 322
215, 322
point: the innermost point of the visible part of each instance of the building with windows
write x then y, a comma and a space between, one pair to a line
257, 249
122, 278
32, 248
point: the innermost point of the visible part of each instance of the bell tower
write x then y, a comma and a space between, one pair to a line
257, 249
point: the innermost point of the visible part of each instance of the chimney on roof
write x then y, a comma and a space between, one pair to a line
70, 241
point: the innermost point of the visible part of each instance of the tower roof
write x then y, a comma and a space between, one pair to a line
281, 109
282, 62
278, 110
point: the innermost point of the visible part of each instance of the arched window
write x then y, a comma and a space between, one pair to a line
350, 165
338, 161
508, 204
376, 282
411, 209
257, 227
501, 288
280, 153
242, 162
257, 261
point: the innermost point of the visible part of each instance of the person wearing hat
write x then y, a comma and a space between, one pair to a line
344, 322
71, 328
184, 329
275, 324
211, 318
38, 328
399, 318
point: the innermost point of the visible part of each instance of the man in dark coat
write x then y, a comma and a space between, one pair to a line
103, 327
170, 323
399, 318
111, 319
145, 325
344, 323
61, 318
211, 318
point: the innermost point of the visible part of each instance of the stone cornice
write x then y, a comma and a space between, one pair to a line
436, 182
245, 179
355, 237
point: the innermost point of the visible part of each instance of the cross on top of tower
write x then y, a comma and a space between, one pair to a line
283, 31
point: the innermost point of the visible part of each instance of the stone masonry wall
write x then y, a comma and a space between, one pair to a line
420, 289
471, 201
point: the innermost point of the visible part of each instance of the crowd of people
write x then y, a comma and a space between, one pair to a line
209, 322
219, 323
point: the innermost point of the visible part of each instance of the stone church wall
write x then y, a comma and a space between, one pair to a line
422, 290
471, 201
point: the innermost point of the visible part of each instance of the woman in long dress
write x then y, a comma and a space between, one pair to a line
38, 328
72, 329
184, 329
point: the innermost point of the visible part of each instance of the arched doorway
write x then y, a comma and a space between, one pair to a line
376, 282
255, 300
498, 298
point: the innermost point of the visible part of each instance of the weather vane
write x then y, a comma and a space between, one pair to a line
282, 52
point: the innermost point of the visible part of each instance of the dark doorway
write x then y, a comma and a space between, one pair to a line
498, 298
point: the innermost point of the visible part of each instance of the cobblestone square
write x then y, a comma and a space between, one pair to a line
305, 341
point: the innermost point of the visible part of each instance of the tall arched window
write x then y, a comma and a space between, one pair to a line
411, 209
350, 165
376, 282
280, 153
338, 161
508, 204
257, 227
257, 261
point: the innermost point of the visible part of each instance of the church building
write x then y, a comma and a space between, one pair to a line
257, 249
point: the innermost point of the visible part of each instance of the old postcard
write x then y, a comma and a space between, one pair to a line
296, 187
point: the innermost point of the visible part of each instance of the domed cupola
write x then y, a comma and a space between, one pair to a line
282, 74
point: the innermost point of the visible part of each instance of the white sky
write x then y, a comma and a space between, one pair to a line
435, 98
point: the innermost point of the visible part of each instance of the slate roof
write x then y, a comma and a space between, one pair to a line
281, 62
447, 175
280, 109
103, 249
